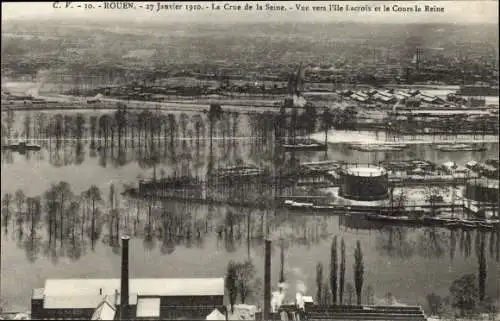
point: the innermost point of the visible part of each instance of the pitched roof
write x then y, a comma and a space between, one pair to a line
347, 313
215, 315
105, 310
143, 287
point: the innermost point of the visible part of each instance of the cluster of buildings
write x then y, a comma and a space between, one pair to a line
181, 299
411, 98
124, 298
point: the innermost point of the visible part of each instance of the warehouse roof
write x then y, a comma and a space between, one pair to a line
82, 301
143, 287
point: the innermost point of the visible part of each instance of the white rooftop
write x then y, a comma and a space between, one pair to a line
366, 171
215, 315
148, 307
143, 287
74, 302
105, 311
82, 301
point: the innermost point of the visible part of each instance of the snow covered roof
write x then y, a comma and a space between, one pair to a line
215, 315
105, 310
143, 287
88, 293
366, 171
70, 301
360, 97
449, 164
472, 163
148, 307
37, 294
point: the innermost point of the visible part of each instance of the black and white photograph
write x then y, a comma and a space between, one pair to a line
260, 160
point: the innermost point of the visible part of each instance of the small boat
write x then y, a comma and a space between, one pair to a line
460, 148
378, 148
440, 221
462, 224
297, 205
22, 146
301, 146
485, 226
392, 219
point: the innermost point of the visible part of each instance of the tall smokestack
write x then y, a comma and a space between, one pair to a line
124, 280
267, 281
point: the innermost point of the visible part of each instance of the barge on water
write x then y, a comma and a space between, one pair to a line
315, 147
460, 148
451, 223
377, 147
22, 147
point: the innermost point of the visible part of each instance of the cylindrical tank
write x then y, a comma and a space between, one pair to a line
364, 183
482, 190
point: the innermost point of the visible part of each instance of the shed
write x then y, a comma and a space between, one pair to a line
148, 308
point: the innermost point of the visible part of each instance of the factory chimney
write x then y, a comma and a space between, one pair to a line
124, 280
267, 281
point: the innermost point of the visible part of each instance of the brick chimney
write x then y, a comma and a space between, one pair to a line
267, 281
124, 294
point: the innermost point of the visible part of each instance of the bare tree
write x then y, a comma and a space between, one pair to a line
20, 200
232, 283
6, 209
433, 197
246, 273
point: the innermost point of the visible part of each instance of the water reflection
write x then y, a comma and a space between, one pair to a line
67, 224
395, 243
85, 213
153, 138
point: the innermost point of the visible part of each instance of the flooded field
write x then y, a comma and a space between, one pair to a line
179, 239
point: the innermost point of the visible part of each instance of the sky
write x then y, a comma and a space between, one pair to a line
460, 12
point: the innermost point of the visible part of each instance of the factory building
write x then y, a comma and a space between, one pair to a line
482, 190
364, 183
148, 298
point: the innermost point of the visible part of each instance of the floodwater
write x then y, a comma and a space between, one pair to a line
179, 239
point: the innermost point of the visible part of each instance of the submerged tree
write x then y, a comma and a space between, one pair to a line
319, 282
20, 199
214, 114
246, 273
93, 194
63, 190
6, 209
481, 267
464, 293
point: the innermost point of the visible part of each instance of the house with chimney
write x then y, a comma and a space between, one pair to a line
124, 298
